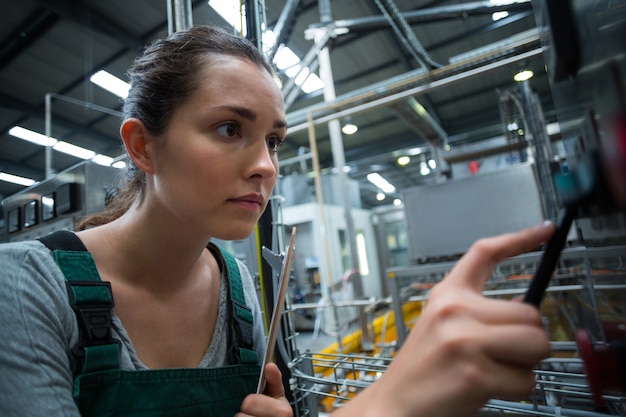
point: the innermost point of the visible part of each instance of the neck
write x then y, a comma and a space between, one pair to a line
141, 250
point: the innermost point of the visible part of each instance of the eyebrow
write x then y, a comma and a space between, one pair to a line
252, 115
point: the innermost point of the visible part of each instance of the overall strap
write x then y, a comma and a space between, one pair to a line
242, 319
92, 302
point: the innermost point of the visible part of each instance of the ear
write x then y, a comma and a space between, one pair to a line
139, 143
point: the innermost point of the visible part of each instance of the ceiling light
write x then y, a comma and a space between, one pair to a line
14, 179
424, 170
102, 160
523, 75
65, 147
376, 179
380, 196
397, 202
403, 160
73, 150
31, 136
110, 83
499, 15
348, 127
119, 165
432, 164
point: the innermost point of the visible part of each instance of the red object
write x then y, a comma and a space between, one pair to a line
474, 167
602, 361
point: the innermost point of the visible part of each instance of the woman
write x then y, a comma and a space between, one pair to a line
202, 124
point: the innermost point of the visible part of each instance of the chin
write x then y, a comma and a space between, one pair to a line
234, 234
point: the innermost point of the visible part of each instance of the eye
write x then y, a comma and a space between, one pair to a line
274, 143
229, 130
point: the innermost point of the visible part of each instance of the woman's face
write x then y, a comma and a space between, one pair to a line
216, 164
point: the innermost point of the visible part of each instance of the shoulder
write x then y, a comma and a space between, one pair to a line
28, 260
30, 276
36, 329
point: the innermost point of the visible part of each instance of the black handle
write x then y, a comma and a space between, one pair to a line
550, 257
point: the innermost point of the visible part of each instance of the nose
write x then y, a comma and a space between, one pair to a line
262, 162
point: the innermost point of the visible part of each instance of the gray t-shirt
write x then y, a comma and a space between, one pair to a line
38, 328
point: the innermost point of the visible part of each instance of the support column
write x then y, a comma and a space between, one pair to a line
336, 142
179, 15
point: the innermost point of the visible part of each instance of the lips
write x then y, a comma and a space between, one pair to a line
249, 200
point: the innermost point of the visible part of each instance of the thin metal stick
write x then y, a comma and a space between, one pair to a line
278, 310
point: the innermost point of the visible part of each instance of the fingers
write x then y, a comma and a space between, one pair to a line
272, 403
464, 305
475, 267
274, 382
518, 345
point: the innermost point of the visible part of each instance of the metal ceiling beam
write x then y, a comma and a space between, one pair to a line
395, 90
82, 14
37, 113
284, 25
20, 169
35, 25
418, 119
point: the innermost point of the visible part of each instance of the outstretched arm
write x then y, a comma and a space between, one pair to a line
464, 348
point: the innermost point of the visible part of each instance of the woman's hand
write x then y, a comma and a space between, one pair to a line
272, 403
464, 349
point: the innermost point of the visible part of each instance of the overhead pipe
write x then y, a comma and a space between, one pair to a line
436, 13
405, 34
379, 97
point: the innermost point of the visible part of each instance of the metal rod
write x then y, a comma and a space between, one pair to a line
48, 167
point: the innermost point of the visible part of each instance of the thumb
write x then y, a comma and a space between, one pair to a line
274, 381
476, 266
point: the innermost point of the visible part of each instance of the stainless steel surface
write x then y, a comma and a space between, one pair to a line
445, 219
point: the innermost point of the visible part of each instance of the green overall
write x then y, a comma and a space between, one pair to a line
102, 389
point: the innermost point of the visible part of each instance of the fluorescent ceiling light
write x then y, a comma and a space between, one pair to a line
73, 150
14, 179
119, 165
102, 160
110, 83
65, 147
376, 179
31, 136
499, 15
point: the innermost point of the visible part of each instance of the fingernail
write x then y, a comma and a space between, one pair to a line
545, 225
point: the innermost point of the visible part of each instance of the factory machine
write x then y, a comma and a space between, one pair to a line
57, 203
576, 177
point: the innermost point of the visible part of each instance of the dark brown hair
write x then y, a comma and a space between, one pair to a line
162, 79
